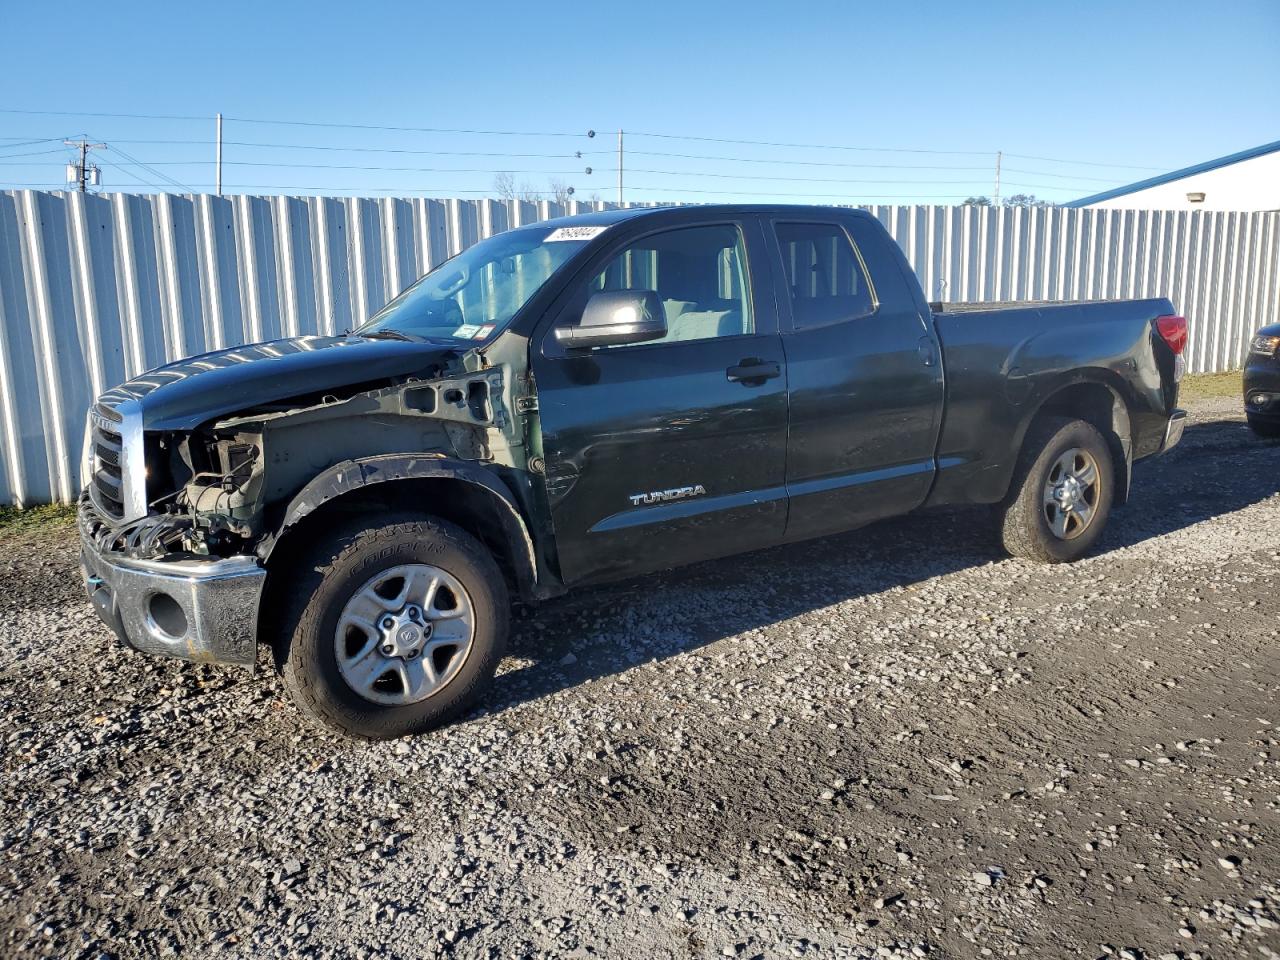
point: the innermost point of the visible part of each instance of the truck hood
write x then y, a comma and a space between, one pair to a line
185, 394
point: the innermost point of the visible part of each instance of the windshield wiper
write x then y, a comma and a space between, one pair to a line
387, 333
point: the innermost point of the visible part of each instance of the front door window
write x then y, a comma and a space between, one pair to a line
699, 274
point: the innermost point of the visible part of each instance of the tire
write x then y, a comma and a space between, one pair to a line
1270, 429
1029, 522
449, 588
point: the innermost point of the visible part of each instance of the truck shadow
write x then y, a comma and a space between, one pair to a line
1219, 468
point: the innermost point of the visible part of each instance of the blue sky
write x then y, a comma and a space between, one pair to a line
1080, 96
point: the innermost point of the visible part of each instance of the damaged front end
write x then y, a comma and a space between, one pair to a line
241, 470
177, 524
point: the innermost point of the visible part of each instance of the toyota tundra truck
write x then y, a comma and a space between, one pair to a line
584, 400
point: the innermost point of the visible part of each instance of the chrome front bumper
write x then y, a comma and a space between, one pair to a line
203, 610
1173, 430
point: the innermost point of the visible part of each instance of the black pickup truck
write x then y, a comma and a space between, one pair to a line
583, 400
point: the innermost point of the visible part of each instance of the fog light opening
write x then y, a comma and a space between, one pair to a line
167, 616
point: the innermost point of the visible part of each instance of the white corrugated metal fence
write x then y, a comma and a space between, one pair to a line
95, 289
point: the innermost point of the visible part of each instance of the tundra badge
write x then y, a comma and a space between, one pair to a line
662, 496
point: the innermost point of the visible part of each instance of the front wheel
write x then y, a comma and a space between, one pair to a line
393, 629
1061, 494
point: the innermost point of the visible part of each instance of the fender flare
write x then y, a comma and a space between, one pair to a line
351, 475
1121, 418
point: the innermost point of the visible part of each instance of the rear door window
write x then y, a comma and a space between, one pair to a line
824, 274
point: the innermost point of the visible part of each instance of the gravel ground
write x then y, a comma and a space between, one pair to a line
890, 743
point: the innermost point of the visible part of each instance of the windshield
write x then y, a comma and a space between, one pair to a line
475, 294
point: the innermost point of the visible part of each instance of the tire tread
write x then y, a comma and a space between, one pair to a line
303, 618
1022, 528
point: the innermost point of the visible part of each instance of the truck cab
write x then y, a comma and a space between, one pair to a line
763, 406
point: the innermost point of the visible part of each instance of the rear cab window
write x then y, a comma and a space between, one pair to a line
824, 274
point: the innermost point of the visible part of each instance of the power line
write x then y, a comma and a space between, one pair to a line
561, 133
37, 153
562, 156
81, 113
825, 146
867, 166
371, 126
163, 176
1068, 178
361, 167
1084, 163
83, 169
587, 153
852, 198
1064, 176
426, 192
812, 146
130, 173
570, 173
786, 163
6, 161
329, 147
845, 196
1039, 186
597, 170
791, 179
297, 123
30, 143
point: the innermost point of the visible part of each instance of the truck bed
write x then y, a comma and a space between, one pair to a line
1003, 359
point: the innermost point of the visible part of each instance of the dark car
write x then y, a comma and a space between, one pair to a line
1262, 382
584, 400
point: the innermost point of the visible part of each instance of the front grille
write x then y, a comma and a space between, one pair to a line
107, 488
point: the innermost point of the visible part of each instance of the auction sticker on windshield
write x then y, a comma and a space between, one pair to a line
467, 331
560, 234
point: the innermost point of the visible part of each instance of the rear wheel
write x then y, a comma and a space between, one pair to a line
394, 629
1264, 428
1062, 492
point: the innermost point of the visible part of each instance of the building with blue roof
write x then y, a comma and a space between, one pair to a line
1248, 180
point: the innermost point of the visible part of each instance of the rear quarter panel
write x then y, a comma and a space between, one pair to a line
1003, 365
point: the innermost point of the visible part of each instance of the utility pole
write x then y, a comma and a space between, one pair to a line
619, 167
80, 173
999, 155
218, 155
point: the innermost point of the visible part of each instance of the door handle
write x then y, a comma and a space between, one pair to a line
754, 371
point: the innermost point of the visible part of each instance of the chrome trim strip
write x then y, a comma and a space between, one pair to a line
133, 460
1173, 430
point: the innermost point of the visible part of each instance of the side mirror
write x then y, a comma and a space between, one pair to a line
615, 317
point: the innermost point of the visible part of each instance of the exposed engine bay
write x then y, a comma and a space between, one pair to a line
222, 489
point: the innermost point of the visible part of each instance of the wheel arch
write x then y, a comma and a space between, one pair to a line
1098, 402
465, 494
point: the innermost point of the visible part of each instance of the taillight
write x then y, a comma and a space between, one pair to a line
1173, 331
